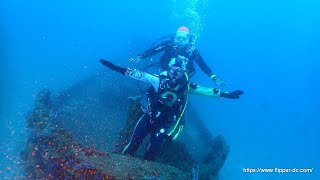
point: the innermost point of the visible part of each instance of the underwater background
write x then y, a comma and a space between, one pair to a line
268, 49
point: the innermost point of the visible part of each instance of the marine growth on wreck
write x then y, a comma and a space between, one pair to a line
55, 150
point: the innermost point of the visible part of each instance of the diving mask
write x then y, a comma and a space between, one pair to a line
175, 72
181, 39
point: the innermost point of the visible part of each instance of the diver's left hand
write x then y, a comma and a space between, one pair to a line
218, 81
232, 95
135, 59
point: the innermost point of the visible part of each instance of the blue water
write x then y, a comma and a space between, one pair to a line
269, 49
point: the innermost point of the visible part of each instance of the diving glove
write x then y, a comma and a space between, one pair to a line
111, 66
231, 95
135, 59
217, 80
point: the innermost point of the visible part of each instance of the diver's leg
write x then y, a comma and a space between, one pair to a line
154, 145
139, 133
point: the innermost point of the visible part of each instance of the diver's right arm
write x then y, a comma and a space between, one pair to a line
150, 52
133, 73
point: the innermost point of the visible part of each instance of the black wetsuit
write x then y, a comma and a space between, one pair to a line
158, 116
171, 51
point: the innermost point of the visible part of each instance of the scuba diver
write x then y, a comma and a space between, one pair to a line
164, 104
183, 43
